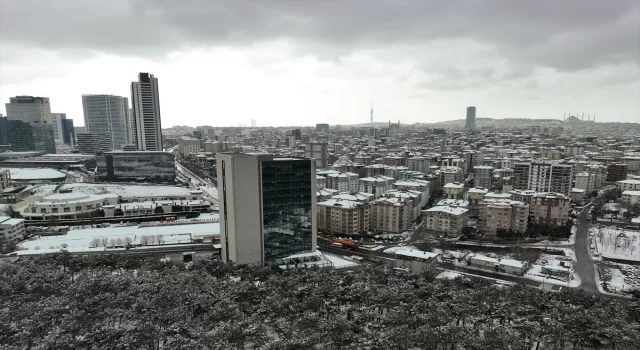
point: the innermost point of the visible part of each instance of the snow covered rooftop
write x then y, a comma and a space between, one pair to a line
478, 190
485, 258
454, 185
631, 193
512, 263
123, 190
446, 209
21, 174
334, 202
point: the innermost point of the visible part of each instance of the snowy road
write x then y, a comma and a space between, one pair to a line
210, 191
584, 267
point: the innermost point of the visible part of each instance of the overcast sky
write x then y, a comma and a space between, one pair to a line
301, 62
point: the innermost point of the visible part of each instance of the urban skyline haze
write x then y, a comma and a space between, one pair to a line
290, 63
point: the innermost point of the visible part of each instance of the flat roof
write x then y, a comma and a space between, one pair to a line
18, 174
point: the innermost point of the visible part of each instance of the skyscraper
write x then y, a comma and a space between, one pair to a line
267, 207
145, 101
4, 131
32, 115
107, 115
471, 119
68, 132
56, 121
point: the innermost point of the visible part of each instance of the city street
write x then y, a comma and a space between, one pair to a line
584, 267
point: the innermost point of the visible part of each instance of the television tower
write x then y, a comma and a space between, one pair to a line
371, 113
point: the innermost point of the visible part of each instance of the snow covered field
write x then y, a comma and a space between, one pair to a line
611, 242
100, 239
618, 278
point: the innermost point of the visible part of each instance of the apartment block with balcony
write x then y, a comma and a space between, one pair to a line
343, 182
453, 190
391, 215
483, 176
11, 229
503, 214
445, 220
551, 209
343, 217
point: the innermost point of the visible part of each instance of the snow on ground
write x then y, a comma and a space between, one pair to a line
618, 278
124, 190
4, 209
19, 174
393, 250
373, 248
85, 240
340, 262
611, 242
448, 275
565, 263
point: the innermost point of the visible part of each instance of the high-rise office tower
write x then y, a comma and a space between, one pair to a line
145, 102
92, 143
471, 119
68, 132
107, 115
57, 121
4, 131
30, 124
267, 207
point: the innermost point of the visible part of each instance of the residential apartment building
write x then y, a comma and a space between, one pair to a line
30, 124
551, 209
450, 174
503, 214
268, 207
343, 217
632, 161
11, 230
420, 164
453, 190
483, 176
630, 197
108, 115
319, 152
445, 220
475, 196
600, 174
617, 172
391, 214
394, 161
376, 185
147, 125
585, 181
543, 177
343, 182
628, 185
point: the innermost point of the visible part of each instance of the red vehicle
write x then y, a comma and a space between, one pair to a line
349, 244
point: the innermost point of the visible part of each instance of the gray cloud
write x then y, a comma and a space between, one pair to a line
567, 35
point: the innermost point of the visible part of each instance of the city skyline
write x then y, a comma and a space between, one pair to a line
420, 62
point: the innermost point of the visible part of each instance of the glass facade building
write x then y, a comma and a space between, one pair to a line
34, 112
136, 166
286, 207
267, 207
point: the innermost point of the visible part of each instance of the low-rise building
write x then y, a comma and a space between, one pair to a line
551, 209
577, 194
149, 166
11, 229
445, 220
503, 214
514, 267
484, 262
415, 260
67, 206
188, 146
628, 185
343, 217
454, 190
630, 197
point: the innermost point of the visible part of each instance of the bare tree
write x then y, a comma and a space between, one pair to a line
104, 241
95, 242
159, 239
128, 241
112, 242
119, 242
144, 240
